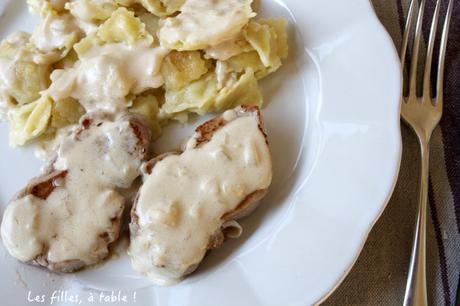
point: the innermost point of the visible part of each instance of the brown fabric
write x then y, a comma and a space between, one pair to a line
379, 275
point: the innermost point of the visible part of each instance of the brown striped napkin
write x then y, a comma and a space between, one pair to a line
380, 274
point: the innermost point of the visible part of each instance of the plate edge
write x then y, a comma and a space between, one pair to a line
396, 170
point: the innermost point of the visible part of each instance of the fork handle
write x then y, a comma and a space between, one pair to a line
416, 293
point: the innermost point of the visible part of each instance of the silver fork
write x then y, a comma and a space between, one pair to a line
422, 114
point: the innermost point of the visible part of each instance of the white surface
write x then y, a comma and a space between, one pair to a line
332, 116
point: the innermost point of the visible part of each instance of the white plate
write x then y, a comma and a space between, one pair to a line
333, 121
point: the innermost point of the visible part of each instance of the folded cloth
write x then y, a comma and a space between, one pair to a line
379, 276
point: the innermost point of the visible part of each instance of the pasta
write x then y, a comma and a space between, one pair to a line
181, 68
203, 95
263, 39
30, 121
91, 11
151, 23
162, 59
279, 27
162, 7
20, 79
123, 26
197, 97
229, 48
244, 91
39, 7
204, 23
56, 33
65, 112
242, 61
29, 80
269, 46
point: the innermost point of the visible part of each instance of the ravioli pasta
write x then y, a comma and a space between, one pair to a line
181, 68
198, 97
21, 79
65, 112
204, 23
123, 26
162, 59
30, 121
91, 11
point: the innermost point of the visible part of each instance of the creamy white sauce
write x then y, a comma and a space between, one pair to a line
181, 202
53, 32
105, 74
82, 10
86, 13
46, 150
37, 6
68, 224
204, 23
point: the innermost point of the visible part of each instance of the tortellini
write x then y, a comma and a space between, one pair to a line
123, 26
240, 62
103, 76
117, 60
151, 23
29, 121
204, 95
279, 27
204, 23
91, 11
269, 46
65, 112
21, 80
147, 106
162, 59
67, 61
268, 38
181, 68
229, 48
244, 91
198, 97
55, 36
56, 33
263, 39
28, 80
41, 7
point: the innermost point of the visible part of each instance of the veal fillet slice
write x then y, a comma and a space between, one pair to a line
65, 219
189, 201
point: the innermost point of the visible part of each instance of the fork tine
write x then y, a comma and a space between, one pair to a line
429, 54
442, 56
415, 52
407, 29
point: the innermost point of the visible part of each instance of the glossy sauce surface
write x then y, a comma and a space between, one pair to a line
74, 220
181, 203
104, 75
203, 23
